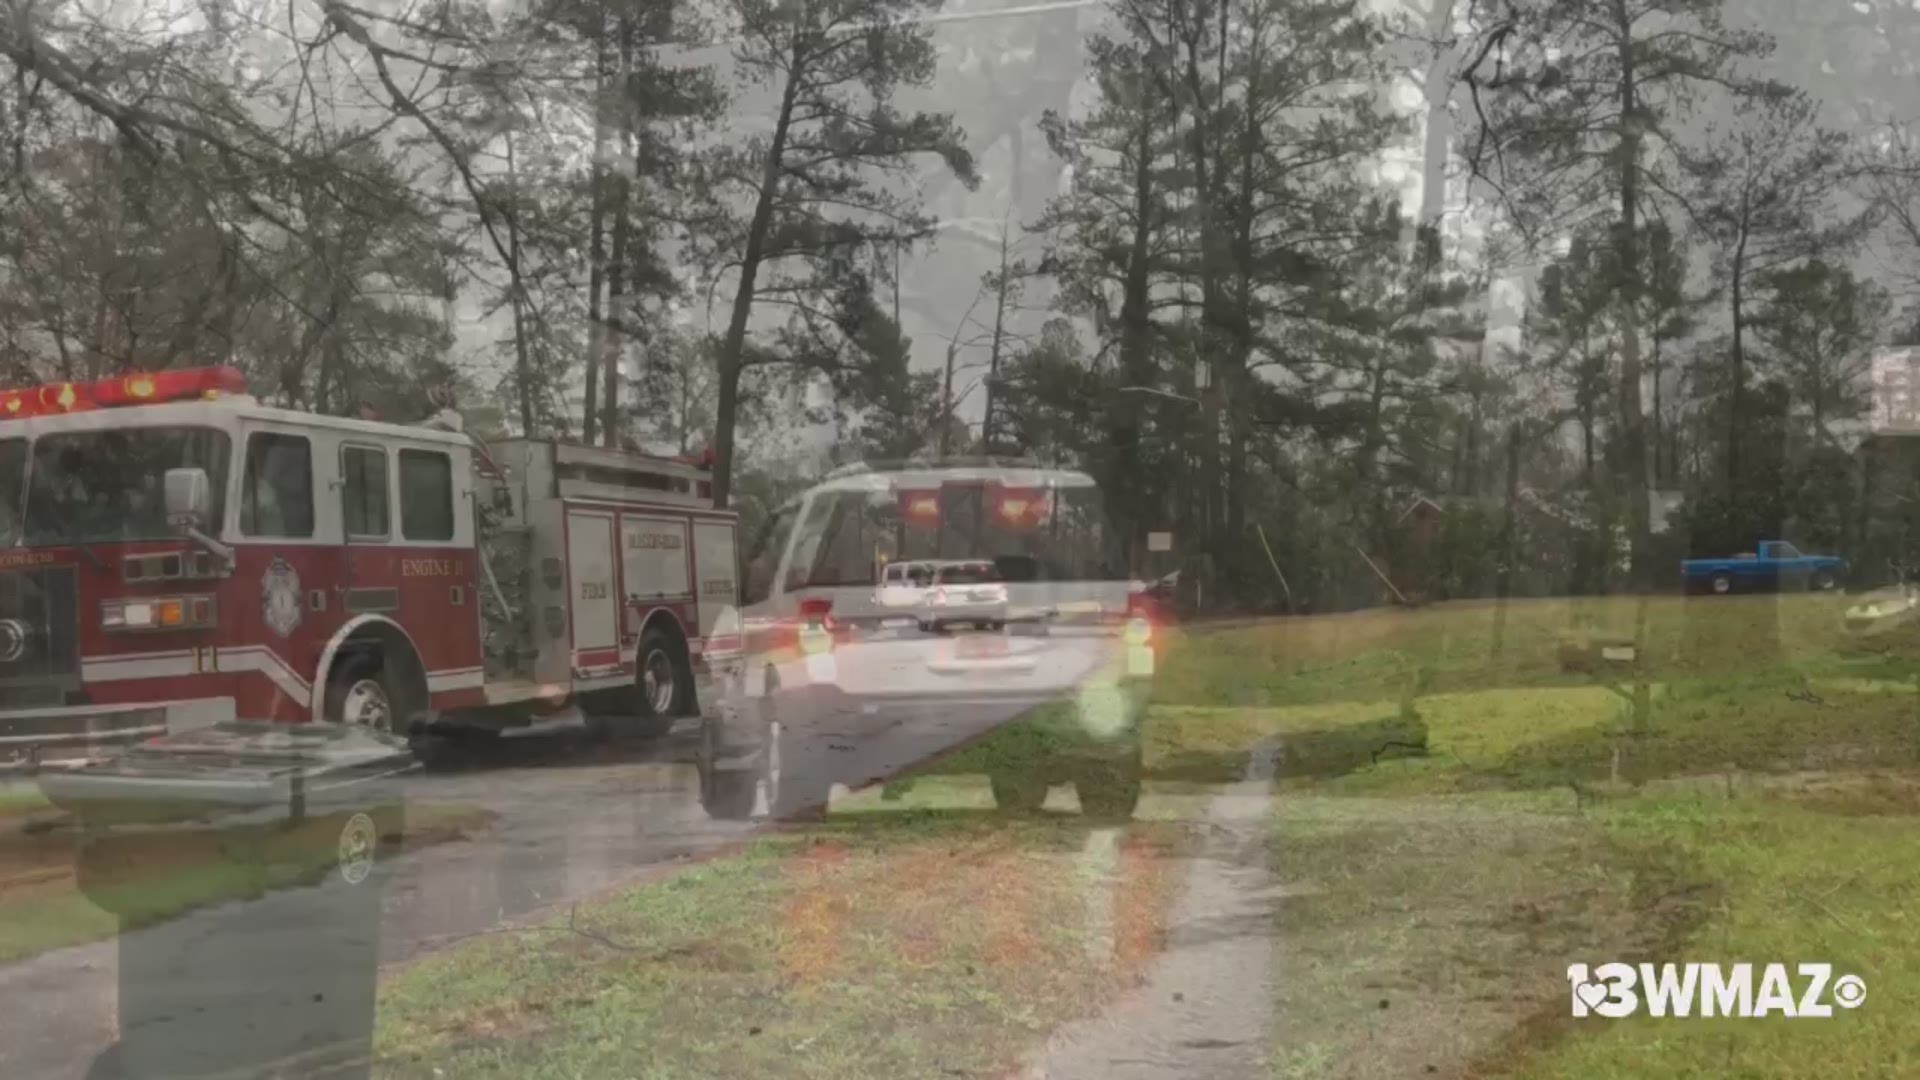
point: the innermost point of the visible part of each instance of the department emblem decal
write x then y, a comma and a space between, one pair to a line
357, 843
280, 597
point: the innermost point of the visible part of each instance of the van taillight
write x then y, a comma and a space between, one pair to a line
1141, 617
817, 611
815, 632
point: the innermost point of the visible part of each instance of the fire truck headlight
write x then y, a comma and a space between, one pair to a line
160, 613
126, 615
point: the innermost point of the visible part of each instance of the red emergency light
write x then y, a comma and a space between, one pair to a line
1021, 508
138, 388
921, 508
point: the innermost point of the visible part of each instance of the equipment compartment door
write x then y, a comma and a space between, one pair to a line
713, 554
593, 597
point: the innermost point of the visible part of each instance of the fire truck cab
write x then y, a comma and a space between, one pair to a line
174, 554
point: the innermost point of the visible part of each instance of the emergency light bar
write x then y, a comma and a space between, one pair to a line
139, 388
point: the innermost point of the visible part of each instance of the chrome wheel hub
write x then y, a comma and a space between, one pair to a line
657, 682
366, 705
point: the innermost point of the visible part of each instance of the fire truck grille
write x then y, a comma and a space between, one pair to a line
39, 637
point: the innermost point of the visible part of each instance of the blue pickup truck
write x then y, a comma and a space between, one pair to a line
1777, 564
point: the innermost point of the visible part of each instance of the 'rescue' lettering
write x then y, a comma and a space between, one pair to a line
646, 541
429, 567
716, 587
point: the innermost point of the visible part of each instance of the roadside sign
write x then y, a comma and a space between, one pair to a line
1159, 541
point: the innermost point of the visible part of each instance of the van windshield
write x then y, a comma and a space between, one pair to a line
980, 531
968, 574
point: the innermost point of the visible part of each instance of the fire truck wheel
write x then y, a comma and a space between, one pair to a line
662, 691
665, 680
795, 791
1110, 790
1018, 791
359, 694
725, 794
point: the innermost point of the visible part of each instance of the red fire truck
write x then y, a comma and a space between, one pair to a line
175, 554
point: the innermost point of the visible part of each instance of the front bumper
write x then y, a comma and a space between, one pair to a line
71, 736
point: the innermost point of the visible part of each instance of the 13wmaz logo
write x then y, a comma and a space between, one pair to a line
1736, 990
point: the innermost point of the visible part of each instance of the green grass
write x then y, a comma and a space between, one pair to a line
905, 943
1419, 932
21, 802
1383, 654
1786, 884
54, 893
1761, 807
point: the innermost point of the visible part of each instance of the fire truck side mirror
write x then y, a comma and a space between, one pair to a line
189, 498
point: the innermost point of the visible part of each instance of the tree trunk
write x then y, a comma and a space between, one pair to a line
613, 341
1439, 134
999, 334
1136, 345
1586, 433
1235, 386
733, 346
1737, 298
1659, 419
1632, 423
1214, 321
612, 427
522, 362
597, 238
946, 399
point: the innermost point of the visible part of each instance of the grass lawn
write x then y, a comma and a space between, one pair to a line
21, 801
145, 879
1762, 809
1465, 807
905, 943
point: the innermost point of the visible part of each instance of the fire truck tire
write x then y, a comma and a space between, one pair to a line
1018, 791
725, 794
665, 679
1109, 790
360, 691
662, 690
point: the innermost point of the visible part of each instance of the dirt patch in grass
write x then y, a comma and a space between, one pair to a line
1790, 885
1876, 794
1423, 934
880, 944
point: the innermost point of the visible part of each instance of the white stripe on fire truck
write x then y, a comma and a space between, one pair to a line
455, 679
139, 666
267, 662
167, 665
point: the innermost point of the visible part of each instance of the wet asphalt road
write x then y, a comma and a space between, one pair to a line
297, 967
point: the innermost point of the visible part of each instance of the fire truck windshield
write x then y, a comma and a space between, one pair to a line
89, 487
13, 475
